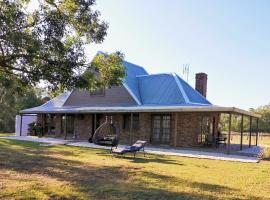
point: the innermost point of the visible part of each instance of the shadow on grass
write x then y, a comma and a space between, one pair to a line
101, 182
150, 159
140, 158
177, 181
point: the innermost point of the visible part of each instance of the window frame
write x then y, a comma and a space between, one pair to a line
135, 121
162, 119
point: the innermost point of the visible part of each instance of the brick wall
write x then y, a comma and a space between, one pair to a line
57, 122
83, 126
185, 127
201, 83
188, 128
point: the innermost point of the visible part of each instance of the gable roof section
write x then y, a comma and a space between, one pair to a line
130, 82
114, 96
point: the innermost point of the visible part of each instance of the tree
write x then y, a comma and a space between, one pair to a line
264, 121
14, 97
235, 123
48, 42
106, 70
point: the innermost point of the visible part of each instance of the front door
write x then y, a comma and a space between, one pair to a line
161, 129
68, 124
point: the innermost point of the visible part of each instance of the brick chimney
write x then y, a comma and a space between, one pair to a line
201, 83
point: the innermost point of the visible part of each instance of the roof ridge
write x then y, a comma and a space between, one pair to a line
57, 97
175, 76
67, 97
132, 94
194, 90
166, 73
135, 65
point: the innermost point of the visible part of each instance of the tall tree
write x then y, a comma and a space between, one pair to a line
14, 97
48, 42
264, 122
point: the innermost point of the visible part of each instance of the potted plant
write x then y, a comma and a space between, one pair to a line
35, 129
32, 129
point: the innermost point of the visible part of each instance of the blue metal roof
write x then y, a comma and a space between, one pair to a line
159, 89
193, 95
131, 81
168, 89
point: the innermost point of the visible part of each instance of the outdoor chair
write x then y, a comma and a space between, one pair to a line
136, 147
221, 140
107, 134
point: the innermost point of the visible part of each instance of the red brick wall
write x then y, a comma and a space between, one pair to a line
189, 130
201, 83
83, 126
185, 127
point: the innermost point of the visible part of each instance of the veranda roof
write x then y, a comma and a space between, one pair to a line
83, 110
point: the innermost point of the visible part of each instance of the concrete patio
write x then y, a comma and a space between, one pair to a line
153, 150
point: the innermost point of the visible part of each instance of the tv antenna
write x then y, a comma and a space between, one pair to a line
186, 68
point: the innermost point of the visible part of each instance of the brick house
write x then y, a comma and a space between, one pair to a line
162, 109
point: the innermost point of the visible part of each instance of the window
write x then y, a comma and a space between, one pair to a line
206, 127
161, 129
69, 126
135, 122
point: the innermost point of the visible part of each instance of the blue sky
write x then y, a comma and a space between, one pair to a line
228, 40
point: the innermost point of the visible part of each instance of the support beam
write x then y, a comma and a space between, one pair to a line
50, 124
175, 128
257, 131
229, 134
21, 115
130, 128
43, 124
95, 122
65, 126
250, 131
242, 132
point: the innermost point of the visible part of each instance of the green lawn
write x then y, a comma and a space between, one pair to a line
6, 134
31, 171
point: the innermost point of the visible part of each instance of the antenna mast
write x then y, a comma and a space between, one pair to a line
186, 70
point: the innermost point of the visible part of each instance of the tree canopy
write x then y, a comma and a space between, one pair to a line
14, 97
264, 123
48, 43
106, 70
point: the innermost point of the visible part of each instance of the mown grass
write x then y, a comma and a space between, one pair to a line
6, 134
31, 171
